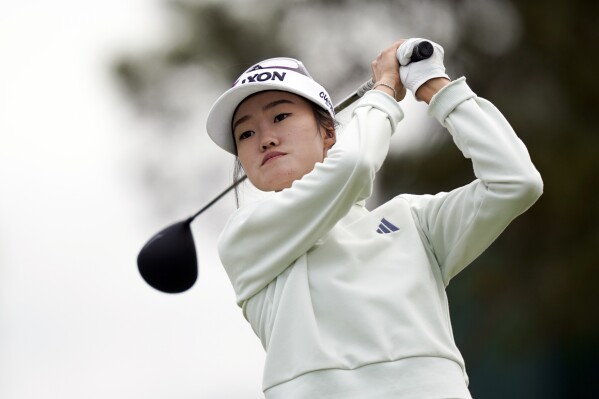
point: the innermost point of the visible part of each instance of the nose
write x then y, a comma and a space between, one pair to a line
269, 139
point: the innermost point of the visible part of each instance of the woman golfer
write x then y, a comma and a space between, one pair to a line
350, 302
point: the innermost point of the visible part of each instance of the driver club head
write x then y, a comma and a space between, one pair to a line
168, 261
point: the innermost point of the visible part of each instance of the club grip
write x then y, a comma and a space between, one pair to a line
422, 51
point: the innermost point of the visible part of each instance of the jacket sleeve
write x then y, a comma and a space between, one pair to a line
461, 224
262, 239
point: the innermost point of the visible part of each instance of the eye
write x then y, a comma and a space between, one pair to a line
281, 117
246, 135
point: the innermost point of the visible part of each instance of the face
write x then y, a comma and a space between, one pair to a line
278, 139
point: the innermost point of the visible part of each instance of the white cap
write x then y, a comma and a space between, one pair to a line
285, 74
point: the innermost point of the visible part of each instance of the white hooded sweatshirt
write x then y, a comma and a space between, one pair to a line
351, 303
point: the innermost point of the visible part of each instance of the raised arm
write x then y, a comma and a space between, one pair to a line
461, 224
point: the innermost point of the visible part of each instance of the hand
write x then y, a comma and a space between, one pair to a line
385, 69
423, 78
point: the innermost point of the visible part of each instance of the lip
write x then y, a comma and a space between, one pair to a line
271, 155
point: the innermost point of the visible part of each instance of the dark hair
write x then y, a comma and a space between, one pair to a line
323, 119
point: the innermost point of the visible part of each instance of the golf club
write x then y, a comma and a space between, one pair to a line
168, 261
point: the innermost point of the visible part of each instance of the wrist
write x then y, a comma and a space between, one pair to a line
386, 87
431, 87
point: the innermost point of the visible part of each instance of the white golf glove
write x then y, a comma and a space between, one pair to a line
415, 74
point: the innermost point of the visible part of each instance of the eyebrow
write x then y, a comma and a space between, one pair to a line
265, 108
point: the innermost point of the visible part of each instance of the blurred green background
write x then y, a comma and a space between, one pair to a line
523, 313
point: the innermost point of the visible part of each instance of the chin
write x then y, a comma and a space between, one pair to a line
273, 187
279, 179
274, 184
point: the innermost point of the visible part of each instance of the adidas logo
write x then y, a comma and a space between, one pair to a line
386, 227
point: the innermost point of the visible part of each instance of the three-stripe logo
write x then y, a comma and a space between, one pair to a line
386, 227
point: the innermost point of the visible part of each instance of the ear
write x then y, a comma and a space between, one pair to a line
330, 137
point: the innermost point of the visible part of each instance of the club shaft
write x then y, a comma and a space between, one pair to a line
208, 205
420, 52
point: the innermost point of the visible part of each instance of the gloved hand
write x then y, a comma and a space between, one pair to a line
415, 74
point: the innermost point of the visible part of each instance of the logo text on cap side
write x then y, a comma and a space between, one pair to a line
328, 102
